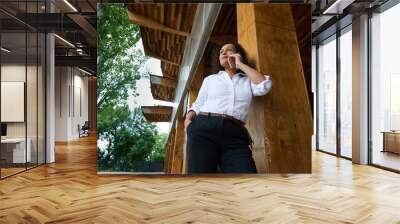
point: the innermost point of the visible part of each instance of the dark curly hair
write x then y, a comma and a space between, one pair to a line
239, 49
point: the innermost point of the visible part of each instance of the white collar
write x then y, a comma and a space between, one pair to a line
236, 74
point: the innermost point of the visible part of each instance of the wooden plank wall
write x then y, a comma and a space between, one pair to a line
255, 121
268, 34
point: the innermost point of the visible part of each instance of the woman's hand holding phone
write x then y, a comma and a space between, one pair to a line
234, 60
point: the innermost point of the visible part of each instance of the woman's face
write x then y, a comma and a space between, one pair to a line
224, 52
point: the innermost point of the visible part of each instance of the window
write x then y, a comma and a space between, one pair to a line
346, 92
334, 109
385, 88
326, 100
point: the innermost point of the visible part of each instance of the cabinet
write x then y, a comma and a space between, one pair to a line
391, 142
13, 150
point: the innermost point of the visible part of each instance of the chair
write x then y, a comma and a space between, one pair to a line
84, 130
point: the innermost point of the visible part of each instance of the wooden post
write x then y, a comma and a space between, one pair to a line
279, 122
168, 151
171, 149
177, 152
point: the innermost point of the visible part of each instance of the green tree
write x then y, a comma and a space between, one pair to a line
158, 152
128, 136
118, 63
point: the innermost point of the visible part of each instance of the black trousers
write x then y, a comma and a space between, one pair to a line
217, 144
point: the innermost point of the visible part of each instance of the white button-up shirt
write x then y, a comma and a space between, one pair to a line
221, 94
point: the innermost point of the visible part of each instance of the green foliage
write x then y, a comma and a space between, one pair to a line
158, 152
128, 138
117, 62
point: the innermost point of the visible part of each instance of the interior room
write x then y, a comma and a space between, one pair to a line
44, 82
333, 80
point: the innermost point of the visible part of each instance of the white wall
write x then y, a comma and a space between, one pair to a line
79, 110
62, 81
70, 83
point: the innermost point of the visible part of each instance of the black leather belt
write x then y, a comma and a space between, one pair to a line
230, 118
223, 116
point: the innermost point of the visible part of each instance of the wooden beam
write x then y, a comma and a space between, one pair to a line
150, 53
157, 109
148, 23
167, 61
168, 75
163, 81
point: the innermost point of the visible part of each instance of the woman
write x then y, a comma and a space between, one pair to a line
217, 137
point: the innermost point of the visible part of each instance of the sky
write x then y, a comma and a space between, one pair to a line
145, 97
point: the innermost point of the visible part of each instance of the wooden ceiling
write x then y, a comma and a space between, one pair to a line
225, 28
157, 113
169, 70
164, 29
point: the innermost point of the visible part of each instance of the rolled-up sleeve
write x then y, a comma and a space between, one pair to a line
201, 97
261, 88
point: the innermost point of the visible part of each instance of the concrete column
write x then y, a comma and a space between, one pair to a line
50, 99
50, 92
360, 90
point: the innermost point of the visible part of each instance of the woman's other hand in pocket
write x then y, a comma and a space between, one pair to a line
189, 118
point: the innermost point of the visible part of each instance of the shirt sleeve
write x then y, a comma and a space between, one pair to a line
201, 97
261, 88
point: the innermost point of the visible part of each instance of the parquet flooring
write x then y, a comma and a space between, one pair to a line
10, 171
70, 191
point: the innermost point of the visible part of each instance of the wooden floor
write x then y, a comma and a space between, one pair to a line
10, 171
70, 191
387, 159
